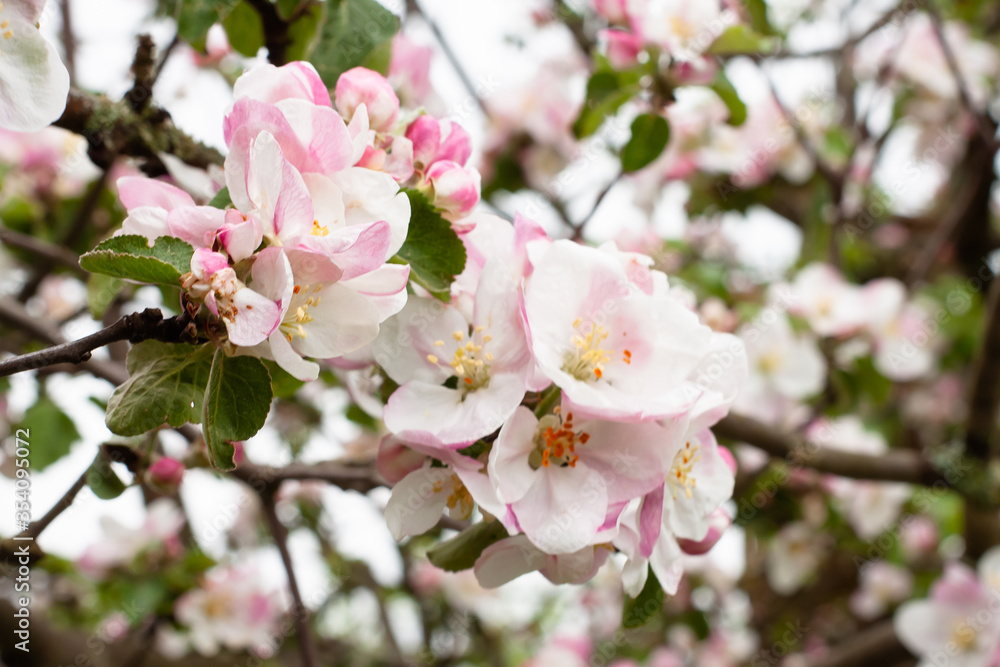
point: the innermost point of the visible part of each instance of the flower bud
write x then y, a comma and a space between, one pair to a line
456, 189
165, 473
363, 86
621, 47
435, 140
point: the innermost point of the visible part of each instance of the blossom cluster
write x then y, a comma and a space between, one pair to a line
567, 392
298, 267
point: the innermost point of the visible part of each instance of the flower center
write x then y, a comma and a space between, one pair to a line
218, 606
298, 311
320, 230
963, 636
556, 441
459, 501
681, 28
470, 363
681, 475
587, 359
769, 362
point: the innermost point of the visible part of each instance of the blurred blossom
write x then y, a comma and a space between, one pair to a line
882, 586
232, 610
793, 556
120, 545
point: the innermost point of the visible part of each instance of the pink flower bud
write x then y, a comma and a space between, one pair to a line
435, 140
621, 47
613, 11
395, 460
363, 86
456, 189
719, 522
166, 473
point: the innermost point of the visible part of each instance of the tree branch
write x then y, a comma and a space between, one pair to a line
47, 251
985, 127
276, 37
894, 466
875, 646
136, 327
265, 479
299, 613
113, 128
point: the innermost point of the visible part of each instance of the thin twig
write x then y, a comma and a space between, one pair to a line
81, 221
894, 466
982, 124
48, 251
68, 40
35, 528
136, 327
300, 614
456, 64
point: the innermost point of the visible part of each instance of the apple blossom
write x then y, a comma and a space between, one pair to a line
34, 84
562, 478
957, 624
232, 610
428, 343
605, 342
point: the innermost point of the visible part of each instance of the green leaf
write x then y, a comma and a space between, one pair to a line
380, 58
283, 384
131, 258
194, 18
352, 30
740, 39
102, 479
245, 29
606, 92
101, 293
221, 199
166, 385
727, 93
237, 400
460, 552
647, 604
432, 248
287, 7
51, 433
303, 33
757, 9
650, 134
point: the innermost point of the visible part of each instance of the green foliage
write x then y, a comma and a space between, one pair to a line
195, 17
52, 432
727, 93
646, 605
166, 385
237, 400
244, 29
460, 552
650, 134
353, 29
740, 39
221, 199
606, 92
130, 257
102, 479
432, 248
303, 33
101, 293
